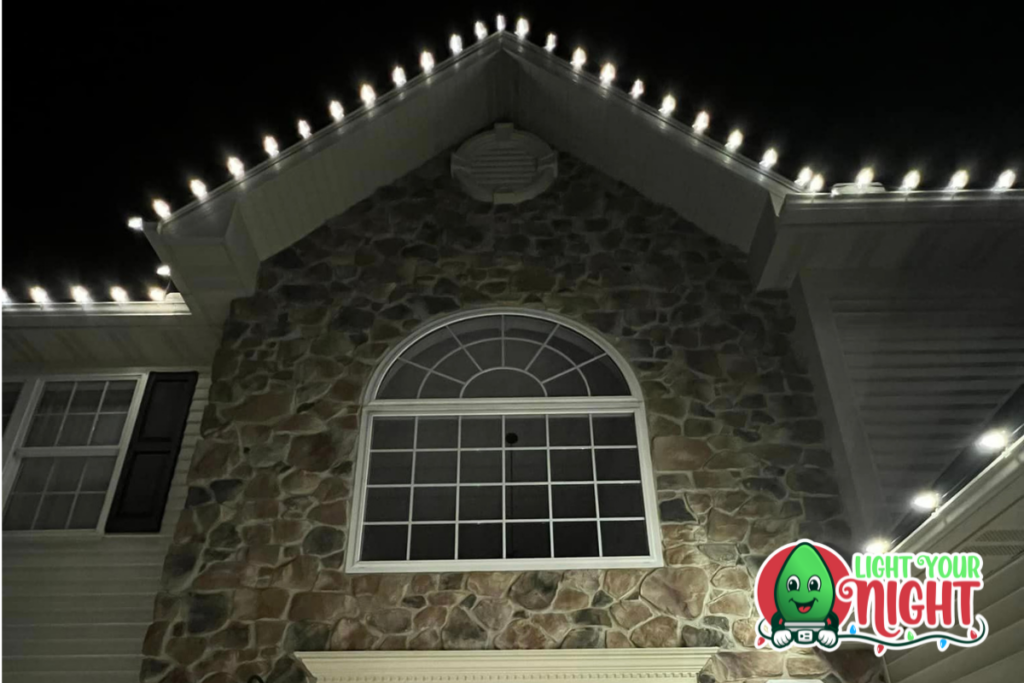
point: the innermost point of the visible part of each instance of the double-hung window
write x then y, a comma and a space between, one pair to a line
503, 440
67, 450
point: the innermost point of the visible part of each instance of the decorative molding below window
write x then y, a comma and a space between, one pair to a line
504, 165
499, 666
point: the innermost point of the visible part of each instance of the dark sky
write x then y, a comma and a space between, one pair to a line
108, 107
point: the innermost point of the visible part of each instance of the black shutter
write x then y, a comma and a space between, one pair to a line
141, 494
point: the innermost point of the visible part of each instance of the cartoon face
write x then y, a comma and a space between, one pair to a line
804, 589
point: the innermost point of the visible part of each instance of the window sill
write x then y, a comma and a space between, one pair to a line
538, 564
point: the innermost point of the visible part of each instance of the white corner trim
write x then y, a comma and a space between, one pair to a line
498, 666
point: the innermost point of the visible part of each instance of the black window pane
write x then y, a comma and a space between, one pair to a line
387, 505
475, 329
479, 541
503, 384
390, 468
33, 475
572, 464
620, 539
617, 463
384, 542
576, 539
523, 327
437, 432
528, 540
480, 466
526, 502
525, 431
402, 381
573, 501
486, 354
621, 500
458, 365
605, 378
437, 386
518, 354
614, 430
392, 432
569, 384
432, 542
480, 502
21, 510
481, 432
526, 466
436, 467
433, 503
578, 348
548, 364
570, 431
432, 348
54, 512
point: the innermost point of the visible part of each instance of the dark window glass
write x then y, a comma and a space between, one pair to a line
392, 432
576, 539
480, 502
437, 386
523, 327
437, 432
486, 354
522, 432
502, 383
481, 466
569, 384
526, 502
569, 431
574, 345
402, 381
617, 463
390, 468
528, 540
620, 539
614, 430
518, 354
573, 501
387, 505
433, 503
620, 500
458, 365
432, 542
384, 542
605, 378
526, 466
480, 541
573, 464
481, 432
548, 364
436, 467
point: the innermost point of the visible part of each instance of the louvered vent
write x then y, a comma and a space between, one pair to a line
504, 165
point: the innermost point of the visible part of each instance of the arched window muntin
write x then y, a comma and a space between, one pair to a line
377, 411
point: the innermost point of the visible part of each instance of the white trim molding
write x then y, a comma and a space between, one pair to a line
499, 666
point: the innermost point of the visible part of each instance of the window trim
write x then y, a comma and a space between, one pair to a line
632, 404
27, 403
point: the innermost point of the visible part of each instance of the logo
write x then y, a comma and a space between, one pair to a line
808, 596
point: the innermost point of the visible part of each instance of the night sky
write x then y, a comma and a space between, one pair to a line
106, 109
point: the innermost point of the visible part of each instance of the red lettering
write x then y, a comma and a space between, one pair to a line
936, 604
873, 591
966, 589
910, 605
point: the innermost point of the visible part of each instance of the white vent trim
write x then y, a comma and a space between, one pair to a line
504, 165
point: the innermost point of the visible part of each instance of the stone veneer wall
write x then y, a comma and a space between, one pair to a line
256, 570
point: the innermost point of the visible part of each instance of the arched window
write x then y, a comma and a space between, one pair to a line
503, 439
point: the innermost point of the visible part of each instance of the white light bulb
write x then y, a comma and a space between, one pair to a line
668, 105
304, 130
817, 183
367, 95
80, 294
770, 158
398, 76
911, 181
734, 141
877, 546
118, 294
607, 74
579, 58
236, 168
522, 28
804, 177
499, 21
480, 29
162, 208
958, 181
926, 501
39, 295
5, 298
198, 188
1006, 180
701, 123
637, 90
135, 222
157, 294
552, 42
865, 177
163, 271
455, 43
993, 440
337, 111
270, 146
427, 61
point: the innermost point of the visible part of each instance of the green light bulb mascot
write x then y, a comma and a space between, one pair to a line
804, 596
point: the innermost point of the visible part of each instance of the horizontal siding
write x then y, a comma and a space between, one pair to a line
927, 370
77, 609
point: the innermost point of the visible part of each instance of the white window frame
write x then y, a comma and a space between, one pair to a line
632, 404
17, 431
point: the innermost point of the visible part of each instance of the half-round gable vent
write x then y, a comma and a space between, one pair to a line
504, 165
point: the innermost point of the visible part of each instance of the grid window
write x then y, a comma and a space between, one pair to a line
12, 390
68, 455
528, 486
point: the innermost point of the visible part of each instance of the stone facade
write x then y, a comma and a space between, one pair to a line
256, 569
